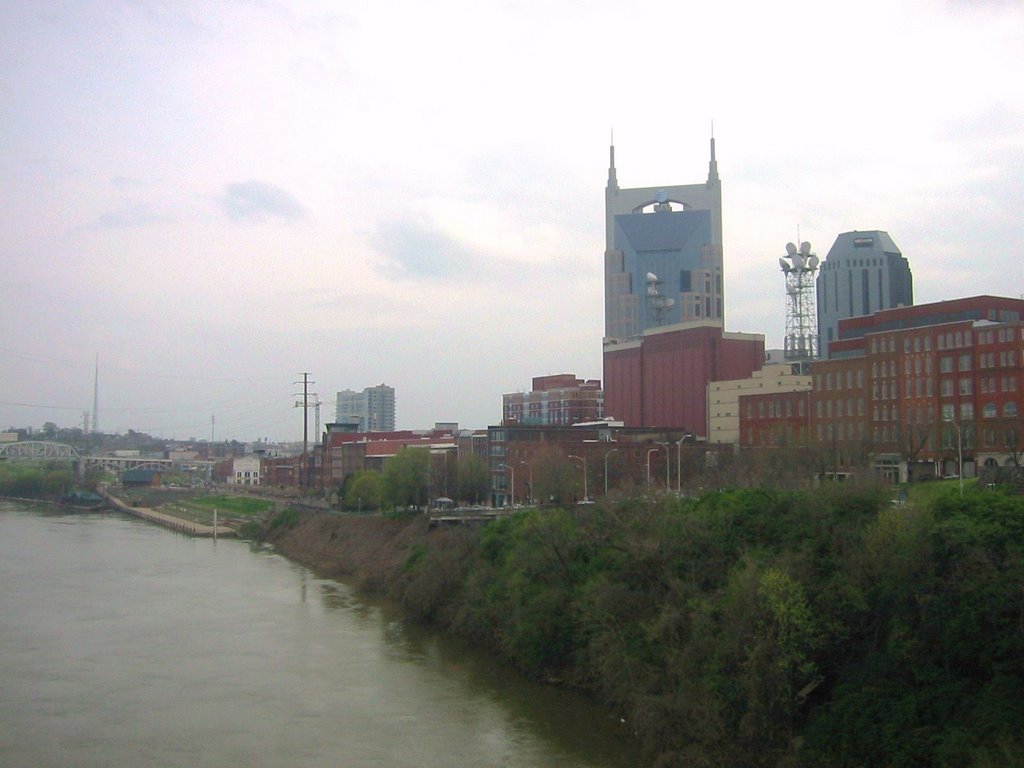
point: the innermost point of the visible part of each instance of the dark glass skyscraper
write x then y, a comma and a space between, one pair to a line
863, 273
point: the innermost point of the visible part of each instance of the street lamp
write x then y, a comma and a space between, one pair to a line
529, 467
679, 461
606, 455
959, 453
512, 483
586, 493
649, 452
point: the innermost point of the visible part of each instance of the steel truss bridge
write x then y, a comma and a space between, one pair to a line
40, 450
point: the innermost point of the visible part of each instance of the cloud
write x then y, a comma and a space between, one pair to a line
423, 251
257, 201
129, 216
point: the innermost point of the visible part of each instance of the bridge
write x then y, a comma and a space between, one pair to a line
38, 450
41, 450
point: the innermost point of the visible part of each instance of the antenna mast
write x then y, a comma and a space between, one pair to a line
96, 396
800, 267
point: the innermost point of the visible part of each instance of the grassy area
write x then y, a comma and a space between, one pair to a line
923, 494
201, 509
238, 506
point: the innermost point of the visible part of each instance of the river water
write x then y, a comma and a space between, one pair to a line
122, 643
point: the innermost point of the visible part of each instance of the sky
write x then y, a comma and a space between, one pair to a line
207, 200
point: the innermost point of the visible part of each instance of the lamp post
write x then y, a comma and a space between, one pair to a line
586, 493
649, 452
606, 455
530, 498
679, 461
512, 483
959, 454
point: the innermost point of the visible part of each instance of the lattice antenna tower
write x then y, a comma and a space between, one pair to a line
799, 266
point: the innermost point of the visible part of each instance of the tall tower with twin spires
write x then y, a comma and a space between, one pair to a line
663, 254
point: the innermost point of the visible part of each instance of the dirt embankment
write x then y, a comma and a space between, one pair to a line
371, 550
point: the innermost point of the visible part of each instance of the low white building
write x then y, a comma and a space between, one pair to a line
724, 398
245, 470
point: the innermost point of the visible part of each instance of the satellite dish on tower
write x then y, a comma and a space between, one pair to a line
651, 277
790, 248
805, 248
812, 262
784, 264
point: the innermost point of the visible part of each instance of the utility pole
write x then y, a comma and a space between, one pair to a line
304, 404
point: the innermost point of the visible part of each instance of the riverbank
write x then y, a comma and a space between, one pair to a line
757, 628
369, 550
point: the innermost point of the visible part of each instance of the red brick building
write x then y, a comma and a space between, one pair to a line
775, 419
661, 378
561, 399
923, 389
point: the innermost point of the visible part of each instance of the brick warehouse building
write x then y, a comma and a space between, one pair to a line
916, 390
660, 379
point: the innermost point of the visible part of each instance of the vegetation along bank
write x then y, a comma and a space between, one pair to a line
744, 628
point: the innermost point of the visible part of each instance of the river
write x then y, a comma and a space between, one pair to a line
122, 643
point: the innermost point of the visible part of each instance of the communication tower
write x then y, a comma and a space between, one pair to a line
800, 266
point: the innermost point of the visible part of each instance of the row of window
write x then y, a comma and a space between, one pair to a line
775, 409
1007, 359
1006, 384
948, 340
848, 377
1003, 335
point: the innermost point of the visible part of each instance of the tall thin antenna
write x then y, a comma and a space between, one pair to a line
96, 396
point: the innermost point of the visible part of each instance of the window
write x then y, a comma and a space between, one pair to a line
964, 363
947, 411
966, 411
946, 388
966, 386
927, 343
989, 411
946, 364
1010, 409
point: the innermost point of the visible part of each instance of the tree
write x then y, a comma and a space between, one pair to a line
555, 476
474, 479
406, 475
364, 490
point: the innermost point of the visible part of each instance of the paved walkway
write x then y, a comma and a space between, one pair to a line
168, 521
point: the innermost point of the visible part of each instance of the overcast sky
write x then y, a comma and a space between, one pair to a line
215, 197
